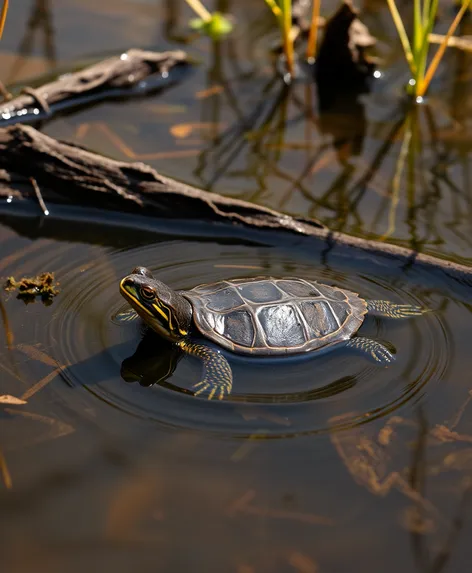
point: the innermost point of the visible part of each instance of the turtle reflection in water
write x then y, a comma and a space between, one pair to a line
148, 368
255, 317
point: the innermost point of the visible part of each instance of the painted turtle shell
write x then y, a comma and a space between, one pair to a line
267, 316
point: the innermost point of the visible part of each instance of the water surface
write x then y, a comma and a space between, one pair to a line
326, 464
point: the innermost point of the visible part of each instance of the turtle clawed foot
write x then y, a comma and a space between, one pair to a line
382, 354
407, 310
211, 390
372, 348
217, 379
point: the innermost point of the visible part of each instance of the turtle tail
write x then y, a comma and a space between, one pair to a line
217, 375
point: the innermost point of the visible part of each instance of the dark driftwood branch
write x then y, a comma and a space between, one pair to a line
134, 72
70, 174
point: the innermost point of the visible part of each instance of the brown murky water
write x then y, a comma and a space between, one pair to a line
330, 464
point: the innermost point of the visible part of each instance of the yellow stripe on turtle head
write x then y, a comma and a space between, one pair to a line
171, 325
169, 311
162, 313
152, 309
168, 317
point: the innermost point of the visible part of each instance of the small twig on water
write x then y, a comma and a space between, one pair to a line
39, 196
8, 331
5, 472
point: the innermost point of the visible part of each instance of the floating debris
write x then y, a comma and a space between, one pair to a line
37, 191
8, 399
29, 288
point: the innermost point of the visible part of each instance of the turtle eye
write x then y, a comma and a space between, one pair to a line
148, 293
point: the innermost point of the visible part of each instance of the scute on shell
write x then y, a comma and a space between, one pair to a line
268, 316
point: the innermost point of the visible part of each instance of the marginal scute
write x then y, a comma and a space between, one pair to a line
282, 326
298, 288
209, 289
340, 295
341, 310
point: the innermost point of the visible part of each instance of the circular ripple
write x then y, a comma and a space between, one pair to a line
278, 397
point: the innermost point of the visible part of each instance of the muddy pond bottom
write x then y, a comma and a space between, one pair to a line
305, 455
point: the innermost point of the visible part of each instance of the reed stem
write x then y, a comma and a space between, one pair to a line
313, 36
286, 22
403, 36
424, 83
199, 9
3, 16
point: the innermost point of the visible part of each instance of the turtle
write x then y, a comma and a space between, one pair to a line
260, 316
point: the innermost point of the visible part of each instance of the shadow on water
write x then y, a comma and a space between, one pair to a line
328, 463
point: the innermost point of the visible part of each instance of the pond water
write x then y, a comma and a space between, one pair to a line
329, 463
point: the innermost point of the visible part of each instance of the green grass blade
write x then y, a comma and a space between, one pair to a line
430, 11
286, 6
422, 88
403, 36
287, 14
417, 28
426, 12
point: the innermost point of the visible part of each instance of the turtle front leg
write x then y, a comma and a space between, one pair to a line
217, 375
393, 310
375, 349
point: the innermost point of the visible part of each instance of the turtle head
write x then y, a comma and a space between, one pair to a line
164, 310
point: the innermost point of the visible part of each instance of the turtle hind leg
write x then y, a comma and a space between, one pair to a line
217, 375
393, 310
376, 350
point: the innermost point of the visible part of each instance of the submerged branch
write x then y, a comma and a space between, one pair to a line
67, 173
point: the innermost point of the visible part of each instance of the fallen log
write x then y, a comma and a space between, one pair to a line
67, 173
